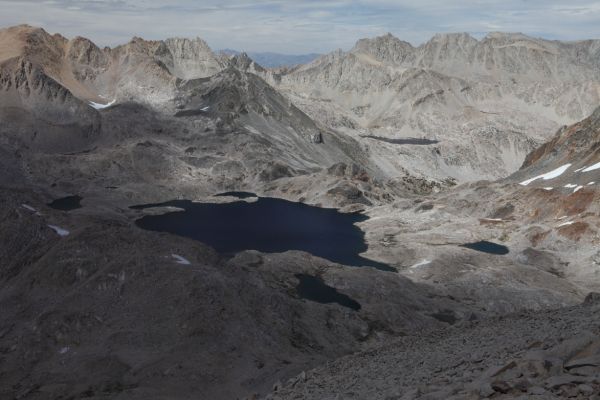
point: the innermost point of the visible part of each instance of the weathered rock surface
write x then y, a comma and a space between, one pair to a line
488, 102
547, 355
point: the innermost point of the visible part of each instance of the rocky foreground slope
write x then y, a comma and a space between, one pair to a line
94, 307
548, 355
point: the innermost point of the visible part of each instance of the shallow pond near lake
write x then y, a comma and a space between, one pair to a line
66, 203
487, 247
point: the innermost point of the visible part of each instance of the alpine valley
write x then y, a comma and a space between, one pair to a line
388, 222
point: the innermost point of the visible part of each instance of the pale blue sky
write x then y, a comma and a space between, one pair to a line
296, 27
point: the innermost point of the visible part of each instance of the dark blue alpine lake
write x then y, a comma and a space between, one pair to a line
268, 225
487, 247
314, 289
66, 203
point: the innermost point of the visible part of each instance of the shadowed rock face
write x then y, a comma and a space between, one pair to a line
41, 114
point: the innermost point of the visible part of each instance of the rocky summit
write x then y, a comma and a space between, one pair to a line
429, 222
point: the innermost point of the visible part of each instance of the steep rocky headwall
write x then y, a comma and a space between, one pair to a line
488, 102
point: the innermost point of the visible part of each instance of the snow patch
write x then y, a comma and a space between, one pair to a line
60, 231
566, 223
420, 264
548, 188
578, 188
205, 108
592, 168
180, 260
591, 183
28, 207
570, 185
99, 106
549, 175
64, 350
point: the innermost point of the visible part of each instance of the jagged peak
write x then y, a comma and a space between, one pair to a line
243, 62
386, 48
81, 39
188, 41
242, 57
141, 42
451, 37
189, 48
22, 29
85, 51
30, 34
520, 39
82, 43
387, 39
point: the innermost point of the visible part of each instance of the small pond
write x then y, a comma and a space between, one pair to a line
314, 289
487, 247
66, 203
409, 141
268, 225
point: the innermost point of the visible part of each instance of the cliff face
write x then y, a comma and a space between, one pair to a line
191, 59
576, 146
387, 49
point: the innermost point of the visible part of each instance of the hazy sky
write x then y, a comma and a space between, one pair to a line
296, 27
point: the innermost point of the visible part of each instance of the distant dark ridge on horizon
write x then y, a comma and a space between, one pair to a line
274, 60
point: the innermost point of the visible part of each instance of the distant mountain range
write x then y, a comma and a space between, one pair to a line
274, 60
